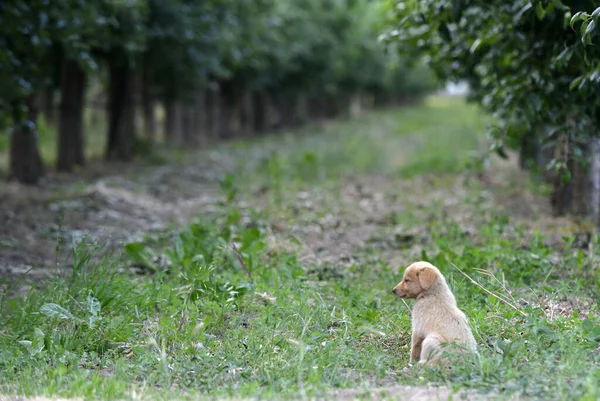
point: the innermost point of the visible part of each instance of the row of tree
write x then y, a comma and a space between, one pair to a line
529, 62
219, 68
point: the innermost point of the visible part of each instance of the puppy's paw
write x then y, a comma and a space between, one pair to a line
413, 367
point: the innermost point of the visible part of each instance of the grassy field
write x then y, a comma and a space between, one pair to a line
283, 288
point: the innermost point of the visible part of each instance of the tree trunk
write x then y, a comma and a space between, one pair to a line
301, 109
581, 187
121, 110
381, 100
315, 108
188, 131
213, 113
179, 124
48, 104
285, 105
562, 192
545, 154
148, 110
235, 120
230, 106
224, 120
199, 112
344, 104
169, 124
528, 150
174, 122
260, 112
247, 114
594, 174
25, 161
355, 107
70, 135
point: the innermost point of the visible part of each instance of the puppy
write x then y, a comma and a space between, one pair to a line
436, 320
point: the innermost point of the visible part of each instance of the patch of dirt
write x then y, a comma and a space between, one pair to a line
566, 307
23, 398
395, 392
411, 393
510, 189
38, 225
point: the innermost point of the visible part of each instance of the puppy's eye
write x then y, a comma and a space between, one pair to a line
407, 280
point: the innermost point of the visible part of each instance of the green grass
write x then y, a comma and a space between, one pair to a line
447, 140
202, 323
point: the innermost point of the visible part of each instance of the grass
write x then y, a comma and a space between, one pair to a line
447, 144
259, 319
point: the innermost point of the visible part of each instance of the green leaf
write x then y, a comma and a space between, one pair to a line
564, 56
576, 82
540, 11
37, 345
566, 176
139, 253
582, 30
588, 31
93, 306
559, 4
523, 10
501, 152
444, 32
575, 18
179, 249
134, 248
475, 45
591, 330
55, 310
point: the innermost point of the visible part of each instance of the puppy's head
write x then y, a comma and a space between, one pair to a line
417, 279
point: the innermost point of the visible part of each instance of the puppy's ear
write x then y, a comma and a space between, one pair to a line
426, 277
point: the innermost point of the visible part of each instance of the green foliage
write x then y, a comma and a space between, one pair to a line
182, 46
36, 34
26, 29
522, 60
308, 45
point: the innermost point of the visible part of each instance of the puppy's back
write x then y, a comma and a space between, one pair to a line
438, 313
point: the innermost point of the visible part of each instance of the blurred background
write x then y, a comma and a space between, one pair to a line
217, 196
115, 79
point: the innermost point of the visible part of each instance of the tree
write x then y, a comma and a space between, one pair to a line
25, 30
70, 132
222, 68
524, 64
120, 45
80, 31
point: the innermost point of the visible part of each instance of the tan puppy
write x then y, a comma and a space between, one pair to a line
435, 317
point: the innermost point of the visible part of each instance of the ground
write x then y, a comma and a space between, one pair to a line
265, 267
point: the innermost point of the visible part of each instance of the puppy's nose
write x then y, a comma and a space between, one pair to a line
393, 290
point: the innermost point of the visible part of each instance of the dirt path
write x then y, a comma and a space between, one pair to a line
39, 224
